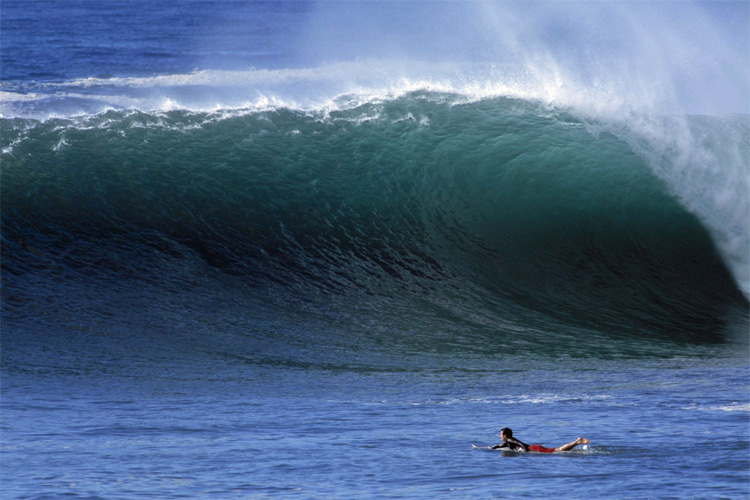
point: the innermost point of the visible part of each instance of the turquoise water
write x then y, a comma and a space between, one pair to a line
318, 250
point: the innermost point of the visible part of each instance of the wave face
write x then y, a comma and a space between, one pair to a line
425, 218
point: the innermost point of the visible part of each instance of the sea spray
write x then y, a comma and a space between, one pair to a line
705, 161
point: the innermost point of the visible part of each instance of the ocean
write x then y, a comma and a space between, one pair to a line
319, 249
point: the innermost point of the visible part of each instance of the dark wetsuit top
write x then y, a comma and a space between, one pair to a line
514, 444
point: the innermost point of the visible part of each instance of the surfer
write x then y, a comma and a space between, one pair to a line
512, 443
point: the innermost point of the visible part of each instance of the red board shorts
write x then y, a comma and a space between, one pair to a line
541, 449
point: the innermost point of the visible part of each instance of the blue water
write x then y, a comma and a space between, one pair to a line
317, 250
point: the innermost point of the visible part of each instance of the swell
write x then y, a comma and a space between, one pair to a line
418, 212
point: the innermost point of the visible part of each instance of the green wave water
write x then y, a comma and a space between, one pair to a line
447, 223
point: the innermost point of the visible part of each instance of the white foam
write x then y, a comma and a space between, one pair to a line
324, 88
741, 407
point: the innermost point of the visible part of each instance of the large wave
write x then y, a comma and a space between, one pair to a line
427, 210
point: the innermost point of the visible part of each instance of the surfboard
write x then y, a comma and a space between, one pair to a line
476, 447
490, 448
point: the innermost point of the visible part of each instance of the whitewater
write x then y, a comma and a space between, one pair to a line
318, 249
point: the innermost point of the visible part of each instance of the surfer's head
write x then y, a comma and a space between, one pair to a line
506, 433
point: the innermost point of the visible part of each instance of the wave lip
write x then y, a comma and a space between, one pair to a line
330, 86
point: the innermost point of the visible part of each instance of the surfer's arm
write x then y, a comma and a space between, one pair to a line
498, 446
